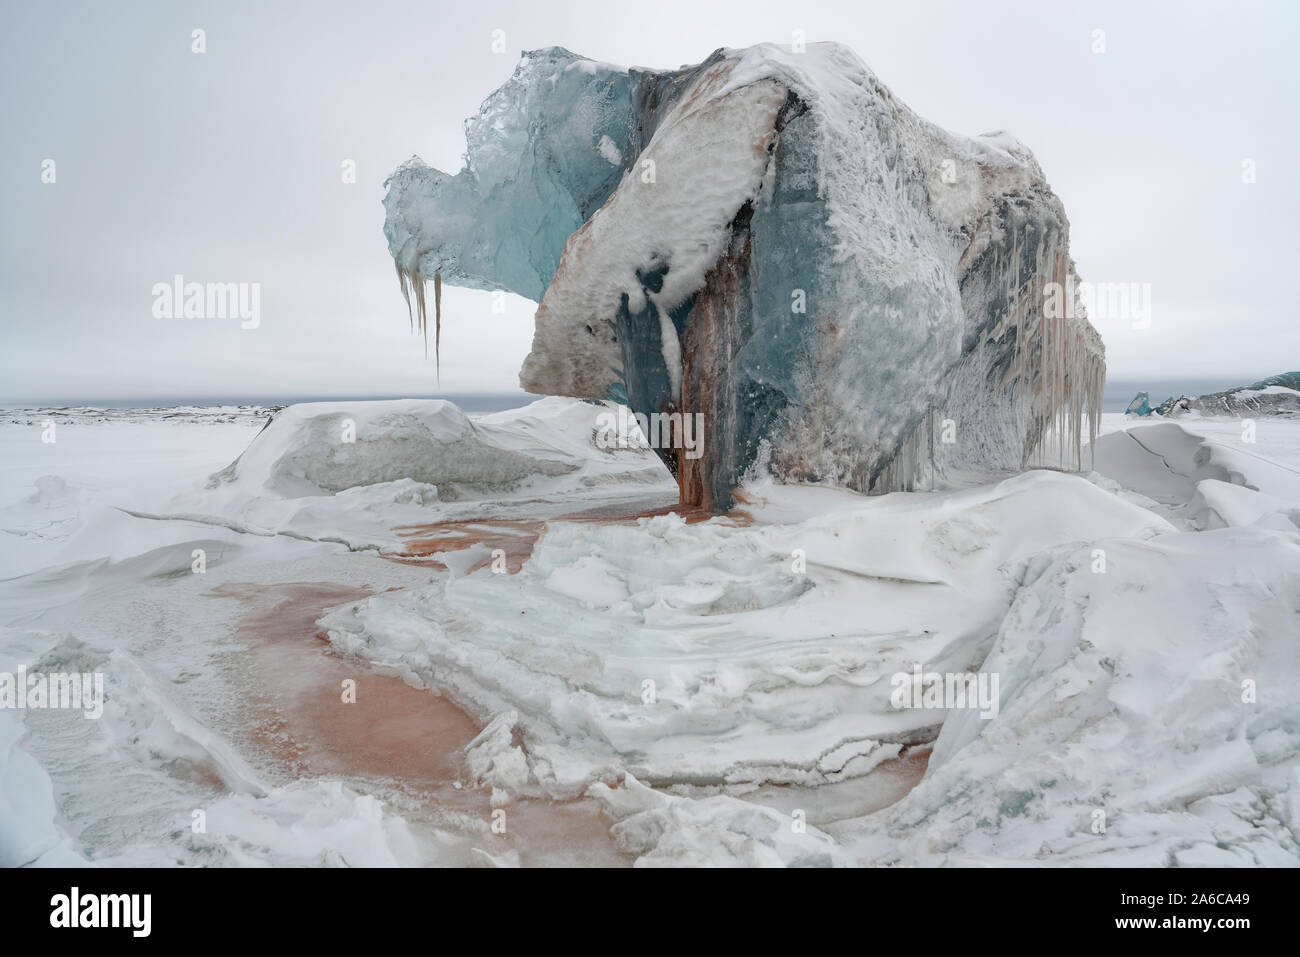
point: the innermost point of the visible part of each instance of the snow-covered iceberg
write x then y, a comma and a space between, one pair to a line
1276, 395
846, 293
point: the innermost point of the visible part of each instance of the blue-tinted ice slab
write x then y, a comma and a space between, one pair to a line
1141, 405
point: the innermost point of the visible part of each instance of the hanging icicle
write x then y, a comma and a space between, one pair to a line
437, 325
410, 282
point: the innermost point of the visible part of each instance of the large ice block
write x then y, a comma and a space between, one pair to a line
847, 293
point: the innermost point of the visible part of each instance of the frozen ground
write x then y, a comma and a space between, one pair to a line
657, 690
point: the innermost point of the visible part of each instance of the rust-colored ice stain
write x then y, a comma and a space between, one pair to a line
393, 730
910, 766
514, 537
517, 537
412, 738
408, 738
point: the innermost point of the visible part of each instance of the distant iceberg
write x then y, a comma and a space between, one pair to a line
1276, 395
848, 293
1141, 405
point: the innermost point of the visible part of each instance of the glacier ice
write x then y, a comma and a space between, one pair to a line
846, 291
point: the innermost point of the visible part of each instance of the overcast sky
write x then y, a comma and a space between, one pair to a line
225, 166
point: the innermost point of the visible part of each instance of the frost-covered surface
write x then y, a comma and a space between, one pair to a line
1157, 689
122, 790
783, 247
62, 497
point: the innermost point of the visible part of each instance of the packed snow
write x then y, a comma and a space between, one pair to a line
672, 692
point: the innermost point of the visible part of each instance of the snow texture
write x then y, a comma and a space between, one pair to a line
694, 654
703, 681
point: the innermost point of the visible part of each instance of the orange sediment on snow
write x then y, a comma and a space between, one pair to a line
514, 537
405, 737
517, 537
393, 730
908, 768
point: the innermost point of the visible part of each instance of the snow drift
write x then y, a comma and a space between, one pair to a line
773, 240
350, 472
329, 447
1150, 724
702, 681
700, 654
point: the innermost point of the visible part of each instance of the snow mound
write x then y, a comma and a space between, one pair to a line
311, 824
29, 834
324, 447
709, 654
1147, 717
662, 830
352, 472
1198, 483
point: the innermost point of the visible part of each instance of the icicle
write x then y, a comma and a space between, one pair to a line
437, 324
904, 471
406, 292
411, 281
418, 281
